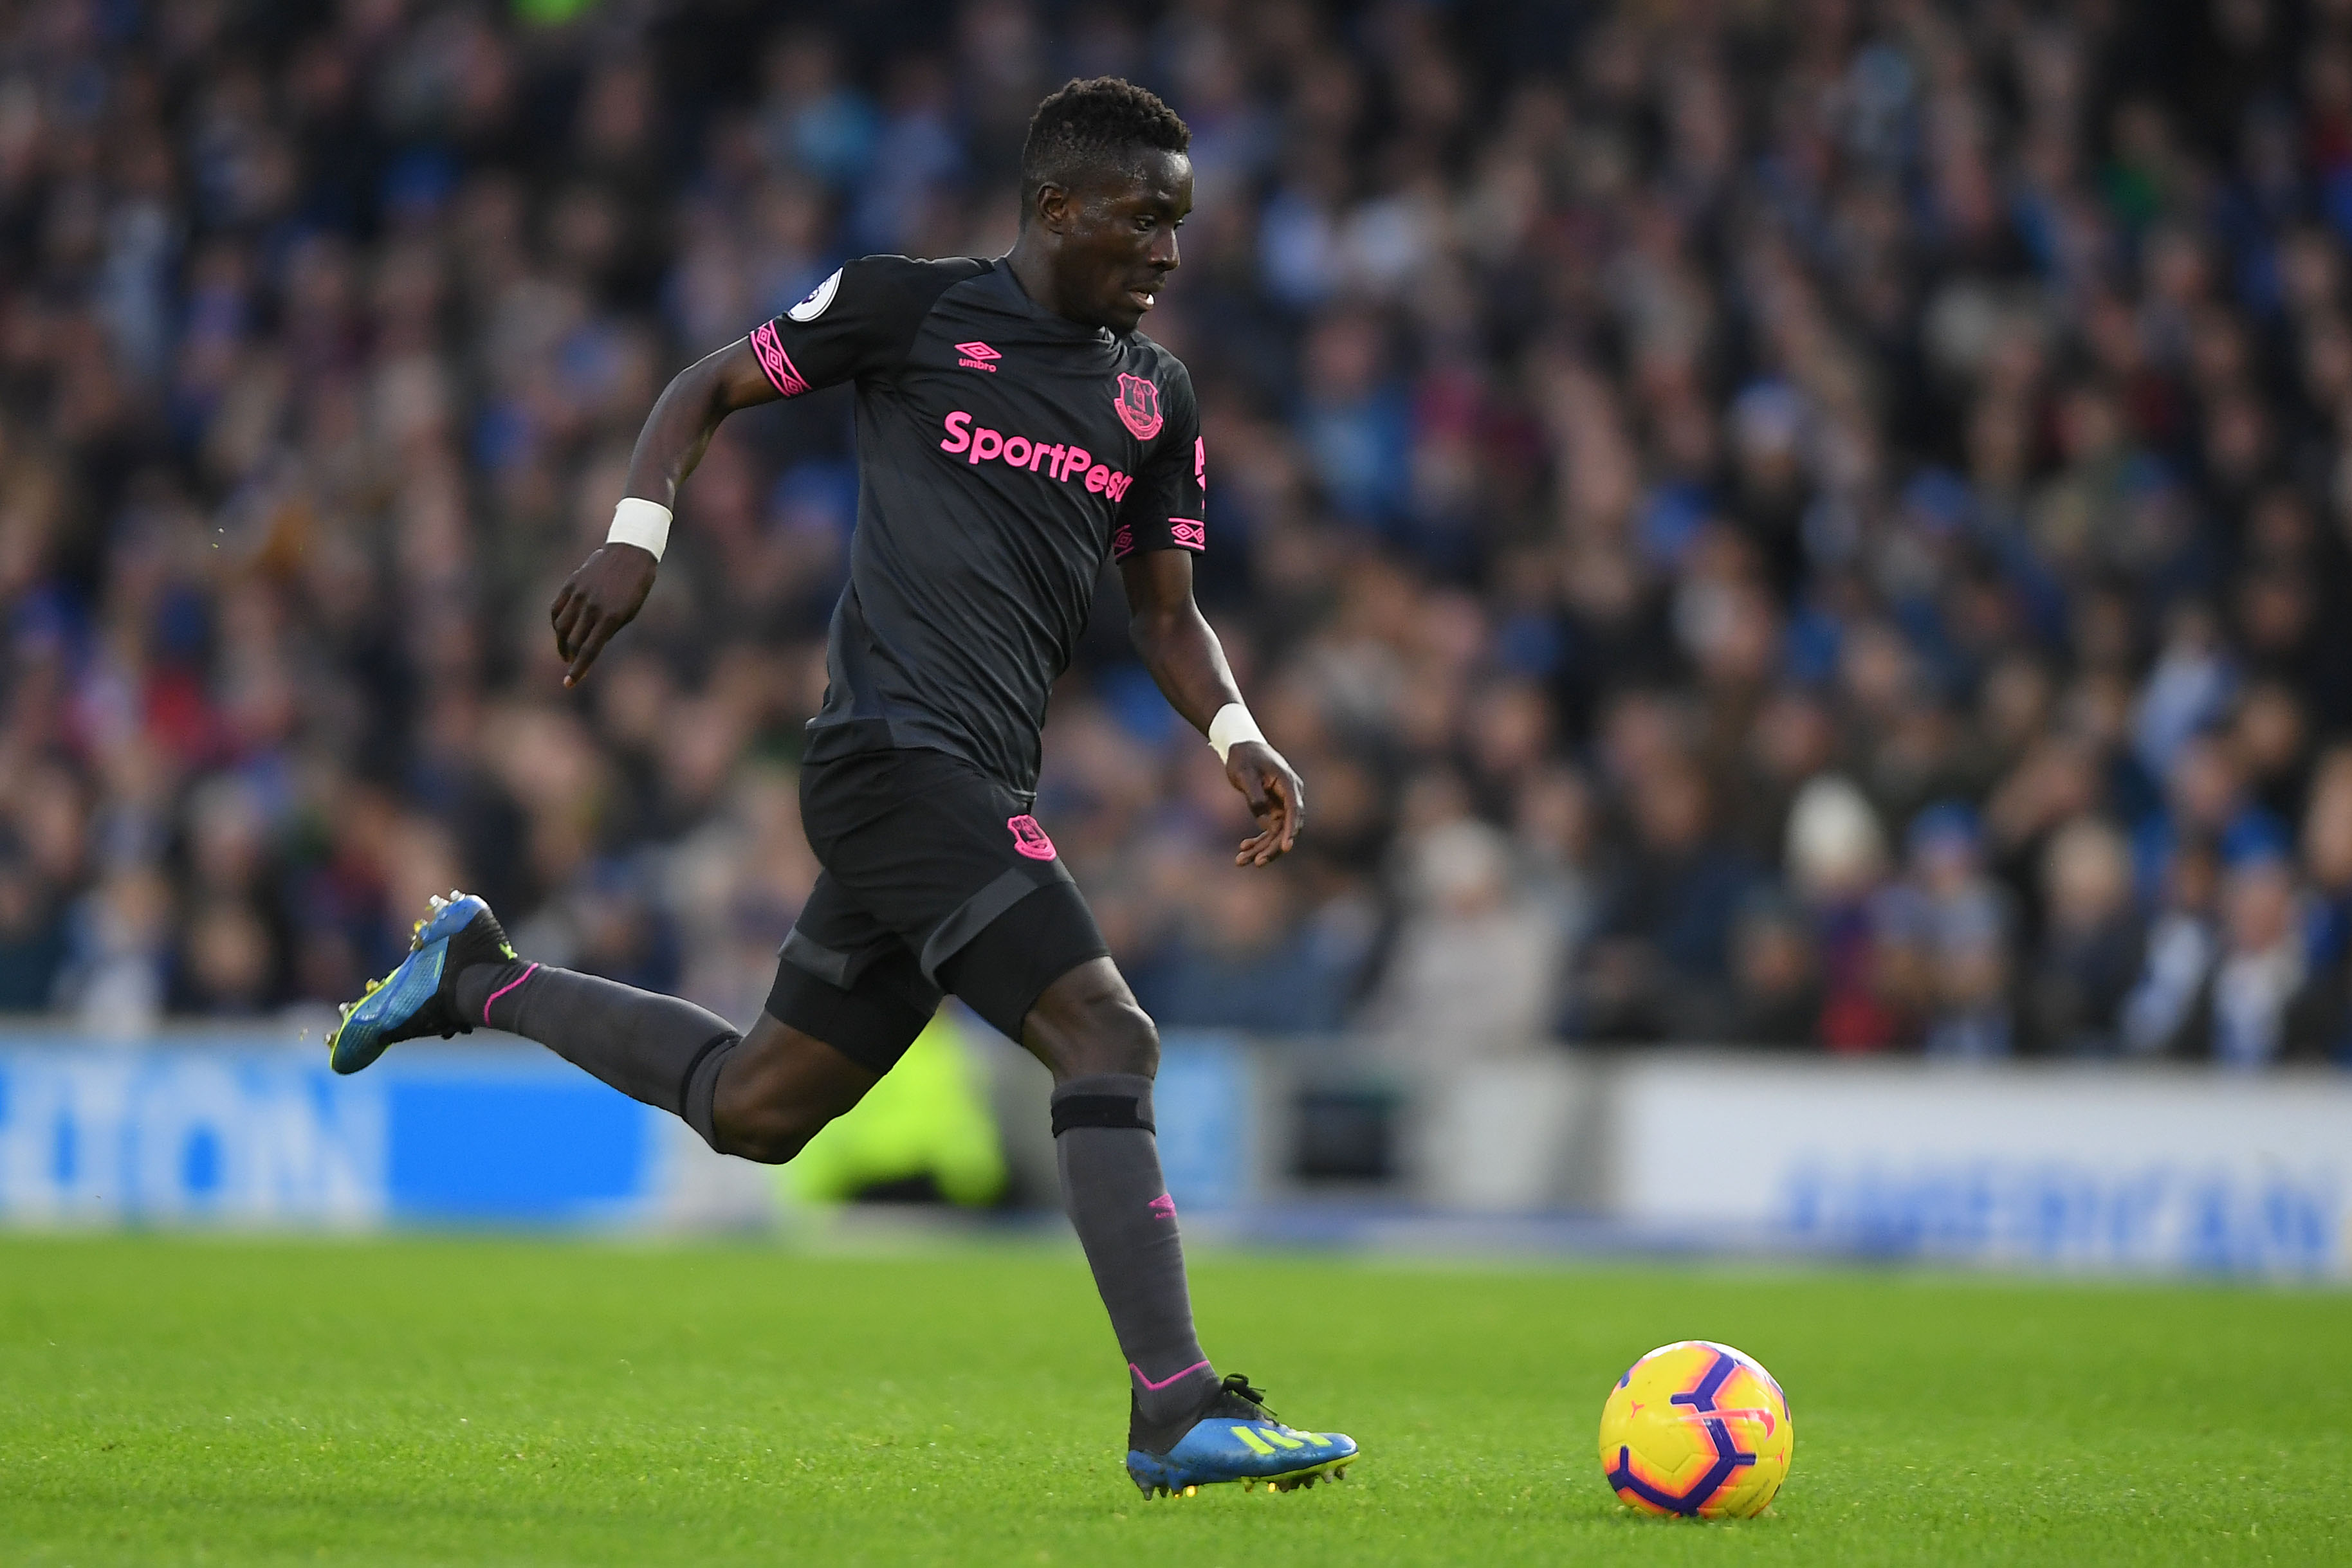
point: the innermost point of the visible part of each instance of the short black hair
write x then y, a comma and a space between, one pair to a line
1085, 125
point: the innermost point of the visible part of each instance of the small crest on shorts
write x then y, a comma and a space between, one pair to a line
1029, 838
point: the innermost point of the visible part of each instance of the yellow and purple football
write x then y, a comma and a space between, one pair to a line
1696, 1428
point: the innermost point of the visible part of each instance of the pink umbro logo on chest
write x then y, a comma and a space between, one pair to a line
978, 356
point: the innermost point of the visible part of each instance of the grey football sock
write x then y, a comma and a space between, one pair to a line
661, 1049
1127, 1222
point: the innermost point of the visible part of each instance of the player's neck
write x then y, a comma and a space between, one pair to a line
1034, 271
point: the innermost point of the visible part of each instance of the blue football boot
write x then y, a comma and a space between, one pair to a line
420, 996
1234, 1439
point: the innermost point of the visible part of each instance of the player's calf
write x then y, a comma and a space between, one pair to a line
462, 974
1102, 1050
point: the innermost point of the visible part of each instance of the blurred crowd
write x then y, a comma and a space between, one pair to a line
1811, 524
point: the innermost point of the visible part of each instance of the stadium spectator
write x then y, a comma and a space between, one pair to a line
1837, 865
1661, 957
1474, 970
2183, 946
2090, 947
32, 940
1952, 923
1776, 991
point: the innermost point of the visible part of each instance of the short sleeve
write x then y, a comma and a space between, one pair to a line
860, 321
1167, 508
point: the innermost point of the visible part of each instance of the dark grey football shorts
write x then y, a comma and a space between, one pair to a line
937, 880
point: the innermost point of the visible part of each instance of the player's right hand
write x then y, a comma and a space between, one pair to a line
1276, 799
597, 600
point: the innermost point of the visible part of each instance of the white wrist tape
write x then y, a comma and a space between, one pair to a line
639, 522
1232, 725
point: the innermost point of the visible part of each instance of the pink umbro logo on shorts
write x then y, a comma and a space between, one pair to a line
1163, 1207
1029, 838
978, 356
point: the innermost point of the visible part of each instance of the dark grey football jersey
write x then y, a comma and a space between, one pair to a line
1004, 452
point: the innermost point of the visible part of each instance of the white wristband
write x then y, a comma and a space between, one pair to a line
639, 522
1232, 725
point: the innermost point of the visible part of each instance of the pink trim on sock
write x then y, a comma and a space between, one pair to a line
509, 986
1164, 1382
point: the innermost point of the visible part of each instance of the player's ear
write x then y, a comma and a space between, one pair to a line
1053, 207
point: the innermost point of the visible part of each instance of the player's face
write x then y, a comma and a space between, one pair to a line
1121, 246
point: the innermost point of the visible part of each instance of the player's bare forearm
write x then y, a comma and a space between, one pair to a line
1175, 639
1187, 662
610, 587
687, 415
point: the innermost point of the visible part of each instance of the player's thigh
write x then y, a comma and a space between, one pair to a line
847, 981
844, 978
1041, 973
783, 1085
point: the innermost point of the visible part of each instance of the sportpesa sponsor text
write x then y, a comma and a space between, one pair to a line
1064, 463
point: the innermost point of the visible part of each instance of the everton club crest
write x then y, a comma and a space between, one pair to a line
1138, 406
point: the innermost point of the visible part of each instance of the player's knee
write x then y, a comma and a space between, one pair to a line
764, 1138
776, 1150
1109, 1034
1131, 1038
761, 1130
1087, 1022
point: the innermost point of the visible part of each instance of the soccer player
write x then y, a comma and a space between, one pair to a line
1013, 429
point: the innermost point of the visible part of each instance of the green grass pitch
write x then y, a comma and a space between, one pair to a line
431, 1400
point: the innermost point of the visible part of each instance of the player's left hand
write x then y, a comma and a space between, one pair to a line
1275, 797
597, 600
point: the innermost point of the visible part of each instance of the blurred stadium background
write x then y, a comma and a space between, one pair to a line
1816, 531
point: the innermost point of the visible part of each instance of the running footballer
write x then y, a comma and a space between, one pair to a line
1014, 429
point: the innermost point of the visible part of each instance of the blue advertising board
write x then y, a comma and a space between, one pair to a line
1207, 1132
258, 1134
251, 1131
